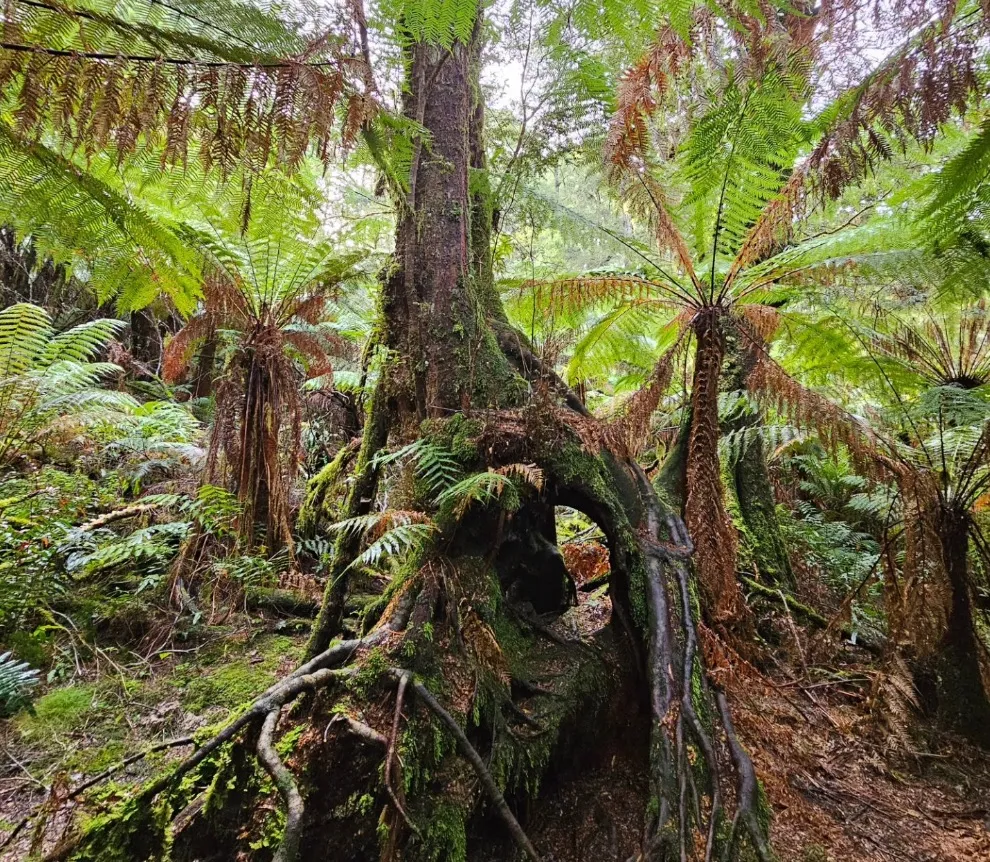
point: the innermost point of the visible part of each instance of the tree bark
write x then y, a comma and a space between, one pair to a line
751, 481
962, 695
704, 509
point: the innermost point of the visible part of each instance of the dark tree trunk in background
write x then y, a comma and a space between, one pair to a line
671, 481
962, 695
751, 479
205, 367
146, 341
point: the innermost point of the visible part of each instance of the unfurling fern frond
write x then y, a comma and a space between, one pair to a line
17, 678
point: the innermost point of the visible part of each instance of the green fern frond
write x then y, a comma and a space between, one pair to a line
17, 678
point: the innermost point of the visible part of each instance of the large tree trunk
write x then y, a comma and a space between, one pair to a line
962, 695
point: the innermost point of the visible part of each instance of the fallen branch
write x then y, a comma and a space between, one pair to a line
810, 614
118, 515
472, 756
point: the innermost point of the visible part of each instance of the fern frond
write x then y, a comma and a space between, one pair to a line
113, 73
481, 488
529, 473
17, 678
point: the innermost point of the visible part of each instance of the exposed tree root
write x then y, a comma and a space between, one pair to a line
288, 850
675, 700
472, 756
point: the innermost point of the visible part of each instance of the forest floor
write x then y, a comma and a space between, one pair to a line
840, 789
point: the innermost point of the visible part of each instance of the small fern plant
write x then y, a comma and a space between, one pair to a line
17, 679
395, 533
49, 382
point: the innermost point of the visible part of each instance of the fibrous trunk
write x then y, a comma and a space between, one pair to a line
704, 509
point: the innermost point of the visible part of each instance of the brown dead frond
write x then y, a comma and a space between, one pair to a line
775, 226
483, 646
529, 473
179, 349
762, 321
391, 519
909, 96
917, 598
774, 387
895, 702
641, 90
571, 294
100, 80
627, 430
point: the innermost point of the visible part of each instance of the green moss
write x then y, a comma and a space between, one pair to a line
231, 684
445, 836
321, 504
62, 711
135, 830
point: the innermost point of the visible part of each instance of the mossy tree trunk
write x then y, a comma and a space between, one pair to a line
751, 477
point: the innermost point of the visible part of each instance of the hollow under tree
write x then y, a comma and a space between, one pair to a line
458, 643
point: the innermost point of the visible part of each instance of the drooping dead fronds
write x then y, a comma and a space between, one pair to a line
570, 294
761, 321
121, 75
774, 387
942, 350
908, 97
626, 431
641, 90
895, 700
917, 598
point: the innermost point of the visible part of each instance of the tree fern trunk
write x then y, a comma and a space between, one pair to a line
704, 509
